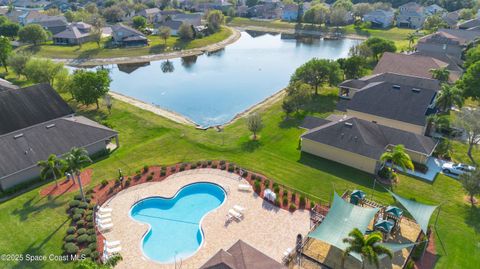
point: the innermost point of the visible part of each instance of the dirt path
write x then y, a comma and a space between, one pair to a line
153, 57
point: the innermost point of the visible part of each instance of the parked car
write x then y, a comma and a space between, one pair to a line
457, 168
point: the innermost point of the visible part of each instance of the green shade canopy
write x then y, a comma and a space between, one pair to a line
395, 211
420, 212
395, 247
385, 225
341, 219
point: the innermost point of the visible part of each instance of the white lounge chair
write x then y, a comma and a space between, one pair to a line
235, 214
104, 216
111, 244
239, 208
104, 221
245, 187
286, 254
114, 250
104, 210
229, 218
104, 226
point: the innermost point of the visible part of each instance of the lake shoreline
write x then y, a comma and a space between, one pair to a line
153, 57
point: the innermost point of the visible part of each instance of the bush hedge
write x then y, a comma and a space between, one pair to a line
73, 203
94, 255
77, 197
302, 201
76, 217
71, 248
257, 185
149, 178
90, 231
86, 252
83, 205
80, 223
292, 207
70, 238
83, 238
81, 231
285, 201
92, 246
71, 230
92, 239
104, 183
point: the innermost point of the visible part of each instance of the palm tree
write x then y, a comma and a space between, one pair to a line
449, 96
366, 246
411, 37
398, 157
441, 74
52, 166
77, 158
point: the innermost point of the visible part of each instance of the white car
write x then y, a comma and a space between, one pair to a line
457, 168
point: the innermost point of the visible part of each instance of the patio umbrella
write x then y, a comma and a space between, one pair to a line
394, 211
356, 196
384, 225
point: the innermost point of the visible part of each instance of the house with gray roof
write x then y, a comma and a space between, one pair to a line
54, 24
380, 18
150, 14
433, 10
411, 15
470, 24
123, 35
173, 25
34, 123
75, 34
359, 143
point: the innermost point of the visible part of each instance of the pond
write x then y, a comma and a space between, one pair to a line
212, 88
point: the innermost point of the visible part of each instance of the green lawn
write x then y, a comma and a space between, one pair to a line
276, 24
91, 49
31, 224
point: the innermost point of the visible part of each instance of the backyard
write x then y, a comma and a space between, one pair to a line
35, 225
92, 50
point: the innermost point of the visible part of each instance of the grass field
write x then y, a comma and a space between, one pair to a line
35, 225
91, 49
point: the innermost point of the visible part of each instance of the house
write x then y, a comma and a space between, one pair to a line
194, 19
469, 25
62, 5
433, 9
7, 85
53, 24
398, 101
380, 18
241, 256
123, 35
150, 14
36, 122
290, 12
452, 18
411, 15
28, 3
75, 34
173, 25
360, 143
242, 11
266, 11
29, 16
411, 65
15, 15
449, 41
164, 15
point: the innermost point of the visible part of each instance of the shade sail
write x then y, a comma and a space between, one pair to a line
420, 212
341, 219
395, 247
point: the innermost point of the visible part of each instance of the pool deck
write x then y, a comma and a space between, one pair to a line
266, 227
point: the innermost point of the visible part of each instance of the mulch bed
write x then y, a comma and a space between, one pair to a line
67, 186
430, 257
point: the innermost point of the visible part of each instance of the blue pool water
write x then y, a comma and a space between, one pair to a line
175, 231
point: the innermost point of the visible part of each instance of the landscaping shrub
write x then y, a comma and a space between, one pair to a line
128, 182
245, 174
117, 182
209, 162
83, 205
253, 177
193, 166
173, 169
275, 185
223, 167
214, 166
70, 238
276, 190
81, 231
152, 173
78, 211
90, 225
285, 201
92, 239
257, 186
149, 178
92, 246
104, 183
163, 173
385, 173
83, 238
292, 207
145, 169
86, 252
277, 201
90, 191
163, 168
112, 189
231, 168
77, 197
80, 223
222, 162
302, 202
90, 231
137, 177
76, 217
182, 167
73, 203
294, 197
91, 206
94, 255
266, 183
199, 163
138, 172
204, 165
312, 204
71, 230
71, 248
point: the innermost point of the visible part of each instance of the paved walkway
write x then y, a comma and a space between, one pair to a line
266, 227
434, 167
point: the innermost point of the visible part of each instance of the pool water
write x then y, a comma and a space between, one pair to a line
175, 231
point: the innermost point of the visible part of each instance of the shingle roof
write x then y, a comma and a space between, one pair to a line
406, 64
6, 85
75, 31
469, 24
50, 21
24, 107
312, 122
423, 83
174, 25
124, 33
464, 36
394, 101
367, 138
24, 148
241, 256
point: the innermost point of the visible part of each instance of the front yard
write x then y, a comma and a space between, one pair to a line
35, 225
91, 49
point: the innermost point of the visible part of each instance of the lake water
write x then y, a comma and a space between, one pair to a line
212, 88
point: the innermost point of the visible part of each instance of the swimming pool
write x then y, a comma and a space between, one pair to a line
175, 223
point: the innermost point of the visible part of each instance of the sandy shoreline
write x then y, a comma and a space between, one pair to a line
153, 57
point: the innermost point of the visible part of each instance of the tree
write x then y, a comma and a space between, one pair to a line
113, 14
298, 94
472, 56
434, 22
5, 51
77, 159
91, 8
318, 14
18, 62
367, 247
251, 3
449, 96
43, 70
344, 4
466, 14
360, 9
33, 34
139, 22
254, 124
471, 184
353, 67
379, 46
164, 33
53, 167
442, 74
470, 82
361, 50
468, 120
89, 86
398, 157
185, 31
69, 15
411, 37
338, 16
9, 29
317, 72
215, 20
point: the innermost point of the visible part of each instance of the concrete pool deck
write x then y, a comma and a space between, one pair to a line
265, 227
